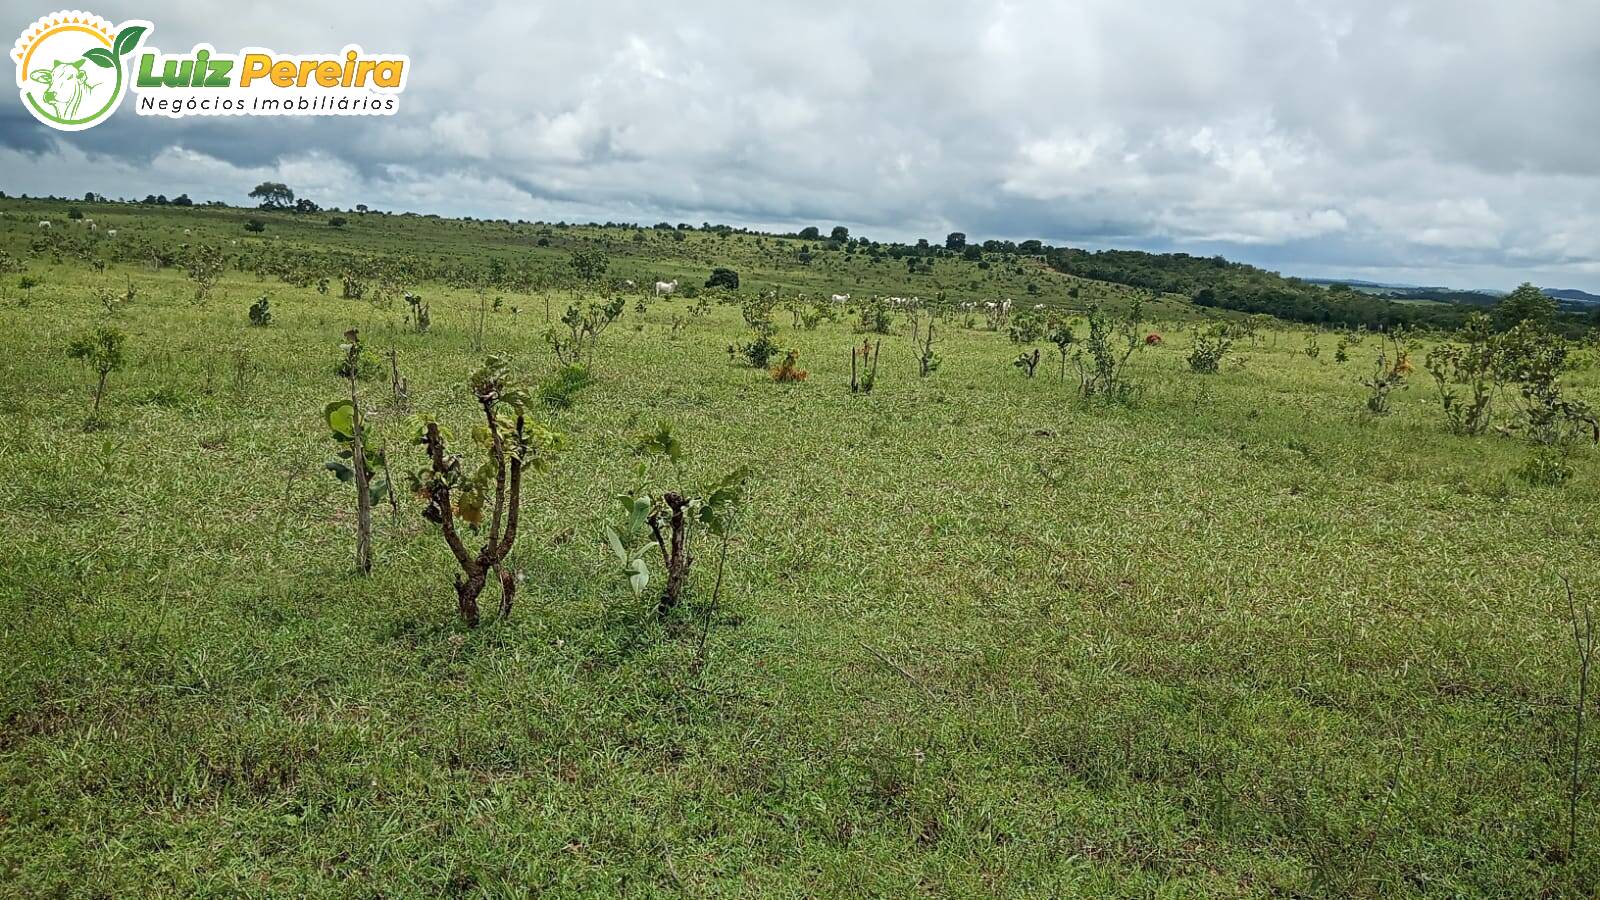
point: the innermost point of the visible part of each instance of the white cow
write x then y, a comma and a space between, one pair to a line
841, 298
44, 223
666, 287
111, 232
93, 226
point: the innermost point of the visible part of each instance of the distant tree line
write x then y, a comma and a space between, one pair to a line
1215, 282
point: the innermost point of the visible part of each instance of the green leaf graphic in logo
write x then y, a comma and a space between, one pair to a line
101, 57
127, 39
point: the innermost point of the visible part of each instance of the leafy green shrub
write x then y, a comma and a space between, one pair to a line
1392, 368
670, 515
876, 317
255, 226
1102, 358
261, 312
1028, 327
560, 390
356, 363
101, 350
1474, 364
358, 462
204, 264
723, 278
417, 312
1210, 346
457, 496
864, 367
761, 349
575, 341
1536, 359
1027, 363
1545, 467
589, 264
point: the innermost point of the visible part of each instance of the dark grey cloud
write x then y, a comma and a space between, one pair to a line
1445, 141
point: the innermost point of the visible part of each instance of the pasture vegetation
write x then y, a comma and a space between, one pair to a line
1180, 612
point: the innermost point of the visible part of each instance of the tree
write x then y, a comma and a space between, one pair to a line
1525, 304
955, 241
589, 264
305, 206
723, 278
840, 233
273, 195
182, 200
810, 233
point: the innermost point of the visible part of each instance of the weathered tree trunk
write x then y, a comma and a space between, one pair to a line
467, 591
363, 494
678, 559
508, 591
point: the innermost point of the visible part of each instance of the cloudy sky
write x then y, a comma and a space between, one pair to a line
1452, 142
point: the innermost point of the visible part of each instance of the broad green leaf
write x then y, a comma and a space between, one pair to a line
341, 419
340, 471
639, 513
640, 577
617, 549
127, 39
100, 56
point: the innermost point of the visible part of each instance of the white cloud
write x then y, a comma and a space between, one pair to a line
1419, 137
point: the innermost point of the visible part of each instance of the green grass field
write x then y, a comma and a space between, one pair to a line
977, 637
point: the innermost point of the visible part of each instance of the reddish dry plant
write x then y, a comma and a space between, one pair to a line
456, 497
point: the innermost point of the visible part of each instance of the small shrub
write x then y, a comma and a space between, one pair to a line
876, 317
1545, 467
666, 519
1393, 367
1027, 362
261, 312
255, 226
1535, 360
101, 350
761, 349
356, 363
560, 390
575, 341
864, 367
1473, 364
204, 263
1102, 358
723, 278
418, 312
1028, 327
1210, 346
459, 496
